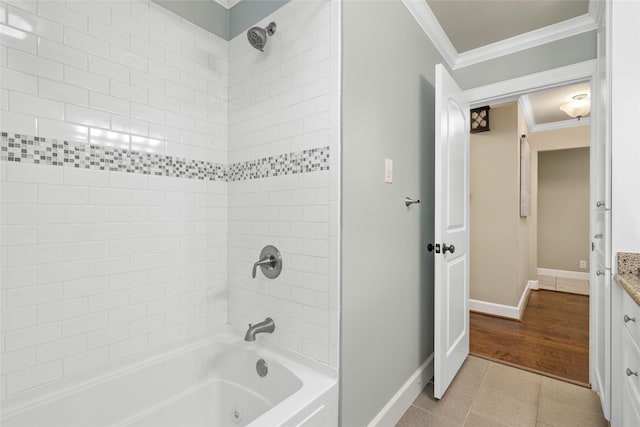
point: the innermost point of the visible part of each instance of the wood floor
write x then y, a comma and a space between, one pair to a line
551, 339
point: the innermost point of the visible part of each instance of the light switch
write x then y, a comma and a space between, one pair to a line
388, 171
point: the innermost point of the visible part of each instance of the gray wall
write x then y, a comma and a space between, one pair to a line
246, 13
571, 50
563, 208
555, 139
206, 14
219, 20
387, 274
388, 112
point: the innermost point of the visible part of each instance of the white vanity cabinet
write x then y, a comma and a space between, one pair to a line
630, 411
628, 370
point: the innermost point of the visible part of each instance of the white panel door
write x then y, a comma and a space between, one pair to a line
451, 231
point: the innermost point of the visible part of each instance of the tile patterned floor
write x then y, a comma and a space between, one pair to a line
488, 394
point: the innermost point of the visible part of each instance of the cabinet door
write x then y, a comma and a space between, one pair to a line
601, 300
630, 409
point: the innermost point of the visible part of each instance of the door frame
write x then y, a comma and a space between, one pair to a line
511, 90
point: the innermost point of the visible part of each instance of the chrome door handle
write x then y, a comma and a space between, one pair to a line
628, 319
408, 201
598, 236
599, 273
599, 204
630, 372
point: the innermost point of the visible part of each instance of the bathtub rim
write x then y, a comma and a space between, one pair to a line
224, 335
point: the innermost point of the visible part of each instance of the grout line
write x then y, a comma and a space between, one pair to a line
476, 393
539, 396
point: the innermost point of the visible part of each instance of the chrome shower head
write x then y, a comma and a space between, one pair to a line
258, 36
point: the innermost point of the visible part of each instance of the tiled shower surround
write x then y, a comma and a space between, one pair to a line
155, 161
287, 101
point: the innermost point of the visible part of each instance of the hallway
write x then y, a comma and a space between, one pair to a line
552, 338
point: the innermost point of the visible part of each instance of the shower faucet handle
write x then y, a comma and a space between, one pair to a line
270, 262
266, 261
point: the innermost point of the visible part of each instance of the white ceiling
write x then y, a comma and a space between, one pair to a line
470, 24
546, 105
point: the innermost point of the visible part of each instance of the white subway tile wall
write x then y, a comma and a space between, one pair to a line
85, 71
93, 273
99, 265
280, 101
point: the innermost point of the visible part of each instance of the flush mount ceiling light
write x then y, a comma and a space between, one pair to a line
579, 107
480, 119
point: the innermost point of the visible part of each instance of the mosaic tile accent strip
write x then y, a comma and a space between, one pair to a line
48, 151
316, 159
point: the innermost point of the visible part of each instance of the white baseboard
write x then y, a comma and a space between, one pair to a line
563, 273
508, 311
402, 400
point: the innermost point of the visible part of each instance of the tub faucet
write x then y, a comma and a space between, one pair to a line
266, 325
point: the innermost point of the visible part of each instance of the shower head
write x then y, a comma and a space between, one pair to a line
258, 36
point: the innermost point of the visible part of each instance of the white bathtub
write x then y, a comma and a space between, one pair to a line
210, 383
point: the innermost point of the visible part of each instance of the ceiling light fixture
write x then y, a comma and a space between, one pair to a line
579, 107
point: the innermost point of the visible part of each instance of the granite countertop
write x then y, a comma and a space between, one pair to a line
631, 284
629, 274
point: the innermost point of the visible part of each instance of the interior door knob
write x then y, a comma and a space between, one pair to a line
449, 248
628, 319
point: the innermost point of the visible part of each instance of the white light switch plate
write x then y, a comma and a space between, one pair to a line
388, 171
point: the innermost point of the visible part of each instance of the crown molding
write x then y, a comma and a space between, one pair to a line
562, 124
550, 33
227, 3
223, 3
511, 89
527, 111
422, 13
597, 10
